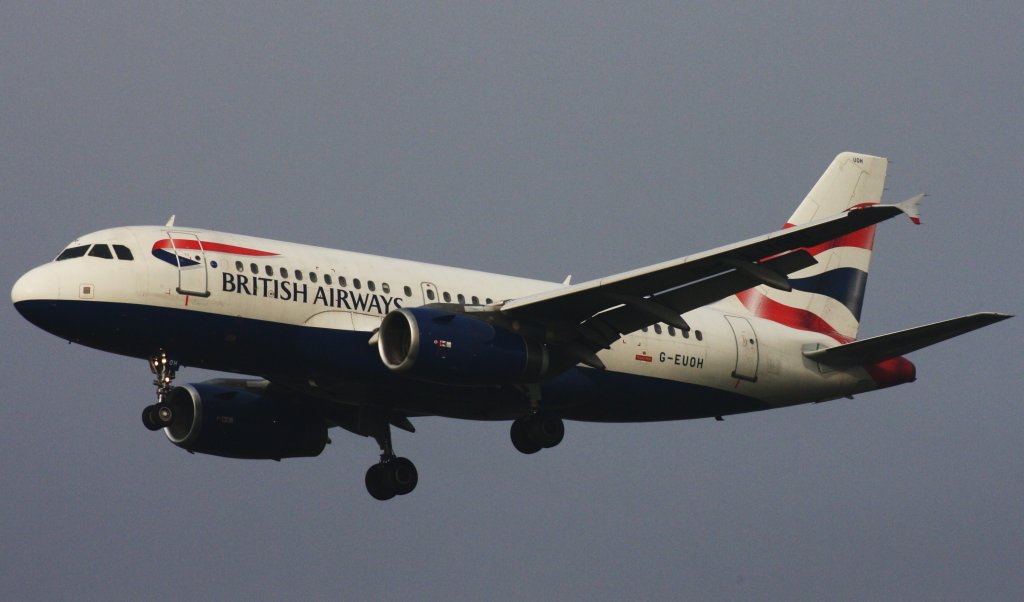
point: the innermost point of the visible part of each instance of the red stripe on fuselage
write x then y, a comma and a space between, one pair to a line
214, 247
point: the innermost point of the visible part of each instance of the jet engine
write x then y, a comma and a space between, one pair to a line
457, 349
235, 423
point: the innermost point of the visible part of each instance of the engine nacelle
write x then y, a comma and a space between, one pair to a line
457, 349
234, 423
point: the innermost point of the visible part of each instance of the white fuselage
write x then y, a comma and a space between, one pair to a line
237, 279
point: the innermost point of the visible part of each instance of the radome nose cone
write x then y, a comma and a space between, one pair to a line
36, 285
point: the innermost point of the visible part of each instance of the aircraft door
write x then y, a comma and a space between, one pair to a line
429, 293
746, 348
192, 275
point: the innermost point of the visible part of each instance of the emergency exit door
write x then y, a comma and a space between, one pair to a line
746, 348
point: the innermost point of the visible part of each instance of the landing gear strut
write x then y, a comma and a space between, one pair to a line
536, 432
161, 414
393, 475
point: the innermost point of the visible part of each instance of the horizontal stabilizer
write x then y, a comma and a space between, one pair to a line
895, 344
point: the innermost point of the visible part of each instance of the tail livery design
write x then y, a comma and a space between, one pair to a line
827, 297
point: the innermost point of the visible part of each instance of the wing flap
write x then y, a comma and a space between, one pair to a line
895, 344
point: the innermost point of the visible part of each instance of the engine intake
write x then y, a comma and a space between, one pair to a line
451, 348
234, 423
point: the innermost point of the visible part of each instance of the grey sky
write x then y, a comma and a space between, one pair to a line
539, 141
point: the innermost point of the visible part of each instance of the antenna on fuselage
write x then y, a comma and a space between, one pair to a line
170, 222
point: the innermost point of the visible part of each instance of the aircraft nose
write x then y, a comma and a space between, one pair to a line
39, 284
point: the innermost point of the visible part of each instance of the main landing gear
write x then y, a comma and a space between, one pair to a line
535, 432
393, 475
161, 414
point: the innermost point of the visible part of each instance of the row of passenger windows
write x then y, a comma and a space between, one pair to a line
460, 298
102, 251
315, 278
672, 331
341, 281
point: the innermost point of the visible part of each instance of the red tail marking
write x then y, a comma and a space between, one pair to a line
801, 319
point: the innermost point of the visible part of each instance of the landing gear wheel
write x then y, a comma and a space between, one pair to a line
393, 475
403, 474
531, 434
548, 431
376, 483
164, 414
149, 418
397, 476
521, 438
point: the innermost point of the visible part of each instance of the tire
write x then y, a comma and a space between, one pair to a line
522, 439
149, 418
377, 484
548, 432
403, 475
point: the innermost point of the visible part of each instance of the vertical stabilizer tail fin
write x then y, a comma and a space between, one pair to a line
852, 180
828, 296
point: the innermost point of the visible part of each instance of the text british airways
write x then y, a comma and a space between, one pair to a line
299, 292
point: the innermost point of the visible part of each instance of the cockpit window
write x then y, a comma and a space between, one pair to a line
101, 251
72, 252
123, 252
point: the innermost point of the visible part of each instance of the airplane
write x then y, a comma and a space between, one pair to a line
366, 343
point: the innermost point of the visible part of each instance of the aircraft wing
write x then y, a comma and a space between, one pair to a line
600, 311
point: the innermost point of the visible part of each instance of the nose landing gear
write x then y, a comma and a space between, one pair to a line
161, 414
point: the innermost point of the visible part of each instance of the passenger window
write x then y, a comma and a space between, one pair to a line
370, 285
430, 294
671, 331
357, 284
657, 329
269, 270
699, 336
72, 252
408, 291
255, 269
298, 274
476, 300
489, 301
342, 282
284, 273
644, 329
447, 297
239, 266
101, 251
686, 334
385, 288
327, 279
312, 276
462, 299
123, 252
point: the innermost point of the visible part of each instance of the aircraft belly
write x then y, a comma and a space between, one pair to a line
257, 347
